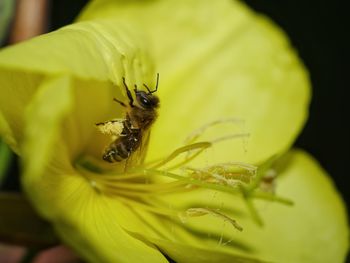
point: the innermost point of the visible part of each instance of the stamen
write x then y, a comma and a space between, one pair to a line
252, 169
271, 197
215, 177
261, 172
194, 212
196, 182
230, 137
254, 213
198, 132
200, 146
117, 192
229, 171
148, 186
153, 209
117, 177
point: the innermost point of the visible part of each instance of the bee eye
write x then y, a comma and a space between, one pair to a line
144, 99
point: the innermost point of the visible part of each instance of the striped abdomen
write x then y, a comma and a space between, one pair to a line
123, 147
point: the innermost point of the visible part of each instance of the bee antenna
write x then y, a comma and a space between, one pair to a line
149, 91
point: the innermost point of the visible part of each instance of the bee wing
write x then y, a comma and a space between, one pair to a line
143, 146
138, 156
112, 127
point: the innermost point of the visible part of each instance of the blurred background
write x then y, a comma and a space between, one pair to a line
319, 31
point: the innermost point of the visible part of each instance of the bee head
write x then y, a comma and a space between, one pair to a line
147, 100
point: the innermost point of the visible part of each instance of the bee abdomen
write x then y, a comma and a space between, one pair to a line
123, 147
116, 153
123, 151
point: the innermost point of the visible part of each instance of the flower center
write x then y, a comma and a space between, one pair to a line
143, 186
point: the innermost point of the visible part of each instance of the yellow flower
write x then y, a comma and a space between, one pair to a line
217, 62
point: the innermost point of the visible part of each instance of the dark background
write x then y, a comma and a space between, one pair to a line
319, 31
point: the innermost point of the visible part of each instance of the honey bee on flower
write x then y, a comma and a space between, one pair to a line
129, 133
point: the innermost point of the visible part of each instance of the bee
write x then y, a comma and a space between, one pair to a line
128, 133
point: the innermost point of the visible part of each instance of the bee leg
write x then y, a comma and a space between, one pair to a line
106, 122
131, 100
102, 123
120, 102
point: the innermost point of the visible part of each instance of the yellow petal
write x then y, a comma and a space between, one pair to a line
181, 252
95, 55
88, 221
314, 229
98, 50
43, 123
84, 218
217, 61
92, 224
